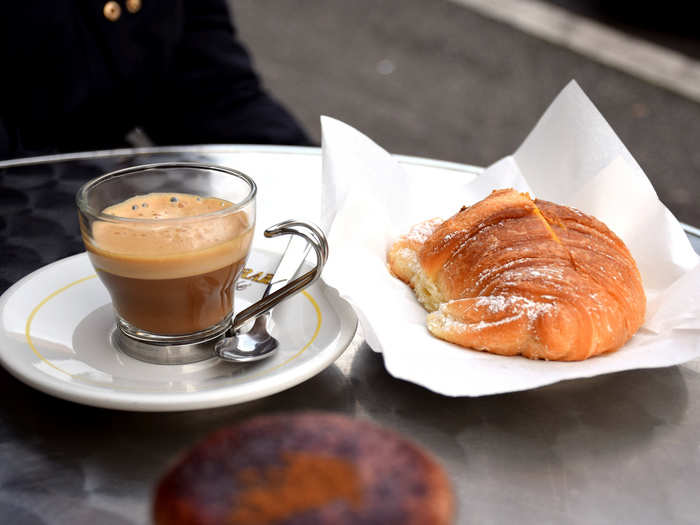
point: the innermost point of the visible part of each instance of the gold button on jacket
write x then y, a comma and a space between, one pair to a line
133, 6
112, 11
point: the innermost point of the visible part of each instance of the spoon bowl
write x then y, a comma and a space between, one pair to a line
253, 345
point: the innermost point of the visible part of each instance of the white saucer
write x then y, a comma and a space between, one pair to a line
55, 327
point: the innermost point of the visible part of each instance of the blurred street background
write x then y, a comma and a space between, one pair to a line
466, 80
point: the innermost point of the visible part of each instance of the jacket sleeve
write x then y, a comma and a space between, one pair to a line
211, 94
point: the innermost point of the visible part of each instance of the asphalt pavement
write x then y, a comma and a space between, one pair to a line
435, 79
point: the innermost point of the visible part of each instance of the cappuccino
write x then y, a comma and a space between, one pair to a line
175, 273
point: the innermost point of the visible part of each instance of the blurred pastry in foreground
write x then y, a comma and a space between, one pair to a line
308, 468
511, 275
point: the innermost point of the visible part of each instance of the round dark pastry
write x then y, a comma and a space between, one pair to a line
307, 468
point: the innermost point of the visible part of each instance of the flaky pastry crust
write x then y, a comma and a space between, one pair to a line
511, 275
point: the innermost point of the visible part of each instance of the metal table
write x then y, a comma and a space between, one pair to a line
619, 448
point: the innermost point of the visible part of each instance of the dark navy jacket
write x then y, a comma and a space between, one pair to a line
71, 79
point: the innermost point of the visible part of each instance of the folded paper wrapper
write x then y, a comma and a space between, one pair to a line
571, 157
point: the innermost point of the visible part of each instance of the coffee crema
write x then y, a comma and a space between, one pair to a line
173, 274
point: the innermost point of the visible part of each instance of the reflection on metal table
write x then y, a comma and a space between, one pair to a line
615, 448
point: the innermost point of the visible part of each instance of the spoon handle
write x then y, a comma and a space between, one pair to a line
292, 259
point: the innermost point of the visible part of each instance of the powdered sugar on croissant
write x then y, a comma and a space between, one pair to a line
511, 276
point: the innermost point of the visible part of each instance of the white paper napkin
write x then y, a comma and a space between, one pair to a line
571, 157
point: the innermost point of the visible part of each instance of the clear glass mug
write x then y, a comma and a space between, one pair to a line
169, 241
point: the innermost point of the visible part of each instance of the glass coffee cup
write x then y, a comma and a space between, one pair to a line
169, 241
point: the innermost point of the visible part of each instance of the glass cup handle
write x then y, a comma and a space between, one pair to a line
317, 239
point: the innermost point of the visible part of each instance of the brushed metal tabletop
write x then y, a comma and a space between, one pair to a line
617, 448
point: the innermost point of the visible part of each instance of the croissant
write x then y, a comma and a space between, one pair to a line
513, 276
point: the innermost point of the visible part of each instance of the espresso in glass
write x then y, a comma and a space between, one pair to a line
171, 277
168, 241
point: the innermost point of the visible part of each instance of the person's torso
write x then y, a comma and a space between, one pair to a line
72, 66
